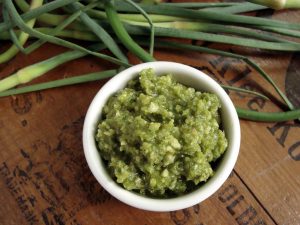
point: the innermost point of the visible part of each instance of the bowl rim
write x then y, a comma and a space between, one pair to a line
97, 166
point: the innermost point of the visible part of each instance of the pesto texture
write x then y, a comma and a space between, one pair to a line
160, 137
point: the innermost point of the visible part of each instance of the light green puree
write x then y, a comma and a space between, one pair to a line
159, 137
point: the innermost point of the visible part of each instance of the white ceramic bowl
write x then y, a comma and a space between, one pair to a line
185, 75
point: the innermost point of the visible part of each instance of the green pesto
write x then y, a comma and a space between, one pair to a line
159, 137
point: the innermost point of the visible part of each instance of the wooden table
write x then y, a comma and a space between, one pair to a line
44, 178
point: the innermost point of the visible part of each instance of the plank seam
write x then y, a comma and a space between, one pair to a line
257, 200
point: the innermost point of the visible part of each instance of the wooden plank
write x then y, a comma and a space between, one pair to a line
51, 182
269, 152
45, 179
269, 158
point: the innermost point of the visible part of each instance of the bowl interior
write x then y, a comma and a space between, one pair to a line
189, 77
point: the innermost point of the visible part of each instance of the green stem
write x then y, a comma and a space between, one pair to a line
31, 72
122, 34
80, 35
240, 8
198, 5
252, 64
282, 31
37, 12
60, 83
150, 1
218, 38
12, 33
270, 80
55, 19
23, 37
47, 18
151, 48
100, 33
59, 28
90, 37
53, 32
51, 19
243, 113
278, 4
244, 91
133, 17
208, 15
93, 77
20, 23
215, 28
268, 116
292, 4
73, 34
